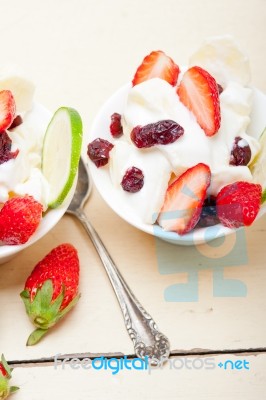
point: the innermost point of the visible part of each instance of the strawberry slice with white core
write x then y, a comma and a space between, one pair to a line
199, 92
7, 109
184, 199
157, 65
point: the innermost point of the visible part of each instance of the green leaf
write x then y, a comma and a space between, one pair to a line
13, 389
44, 295
25, 294
47, 290
42, 311
4, 387
36, 336
263, 198
70, 306
6, 366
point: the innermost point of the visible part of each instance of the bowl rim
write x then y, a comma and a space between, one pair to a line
194, 237
50, 218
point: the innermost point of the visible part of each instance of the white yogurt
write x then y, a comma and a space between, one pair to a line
154, 100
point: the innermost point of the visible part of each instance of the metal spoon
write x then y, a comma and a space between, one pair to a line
147, 339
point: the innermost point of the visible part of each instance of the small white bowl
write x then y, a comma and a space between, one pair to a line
102, 181
51, 217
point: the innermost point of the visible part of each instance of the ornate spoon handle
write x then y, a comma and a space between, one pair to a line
143, 331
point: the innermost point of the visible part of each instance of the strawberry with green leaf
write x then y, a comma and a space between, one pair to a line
51, 290
5, 376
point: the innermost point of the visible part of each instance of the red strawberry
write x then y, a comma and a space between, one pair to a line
7, 109
199, 92
19, 219
3, 371
51, 290
5, 376
184, 199
238, 204
157, 65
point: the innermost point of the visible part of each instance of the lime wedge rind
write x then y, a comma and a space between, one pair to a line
263, 197
61, 153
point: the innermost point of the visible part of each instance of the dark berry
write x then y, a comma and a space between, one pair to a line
220, 88
16, 122
161, 132
5, 148
241, 152
116, 128
133, 180
208, 215
98, 151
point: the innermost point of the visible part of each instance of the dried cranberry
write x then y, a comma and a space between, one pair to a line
220, 88
241, 152
16, 122
161, 132
208, 215
133, 180
5, 148
98, 151
116, 128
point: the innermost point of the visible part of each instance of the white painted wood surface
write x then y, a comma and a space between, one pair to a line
96, 324
78, 53
44, 383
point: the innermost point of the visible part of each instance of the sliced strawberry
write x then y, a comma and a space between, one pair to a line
238, 204
7, 109
184, 199
19, 219
157, 65
199, 92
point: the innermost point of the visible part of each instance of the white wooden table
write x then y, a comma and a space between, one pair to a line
78, 53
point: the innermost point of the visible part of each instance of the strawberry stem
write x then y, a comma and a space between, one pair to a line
36, 336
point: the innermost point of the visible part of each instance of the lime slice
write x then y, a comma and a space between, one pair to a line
258, 165
61, 153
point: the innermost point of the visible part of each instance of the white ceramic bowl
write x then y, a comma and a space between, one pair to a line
51, 218
102, 181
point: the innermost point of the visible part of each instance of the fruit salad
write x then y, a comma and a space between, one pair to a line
28, 186
180, 153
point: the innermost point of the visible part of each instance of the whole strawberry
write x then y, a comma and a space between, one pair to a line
19, 219
51, 290
5, 376
238, 204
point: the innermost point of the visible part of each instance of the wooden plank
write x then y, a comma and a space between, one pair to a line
79, 53
174, 381
96, 325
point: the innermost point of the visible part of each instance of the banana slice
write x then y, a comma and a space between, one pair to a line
223, 59
22, 88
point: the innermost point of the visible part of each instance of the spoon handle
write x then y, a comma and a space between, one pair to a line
147, 339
